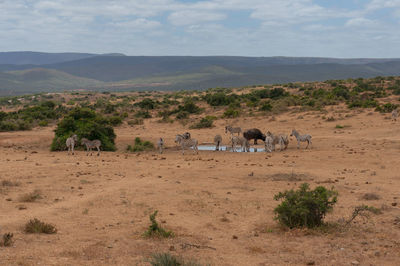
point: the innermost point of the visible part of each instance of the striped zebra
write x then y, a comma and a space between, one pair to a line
90, 144
395, 114
242, 142
233, 130
271, 140
70, 142
217, 142
160, 145
186, 143
301, 138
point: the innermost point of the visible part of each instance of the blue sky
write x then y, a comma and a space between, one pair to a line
323, 28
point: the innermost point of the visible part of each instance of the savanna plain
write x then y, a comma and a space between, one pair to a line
218, 204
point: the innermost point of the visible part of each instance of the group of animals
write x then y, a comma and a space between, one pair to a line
89, 144
186, 141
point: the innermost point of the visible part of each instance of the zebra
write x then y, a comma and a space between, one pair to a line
217, 142
90, 144
243, 142
186, 143
70, 142
301, 138
272, 140
186, 135
160, 144
395, 114
233, 130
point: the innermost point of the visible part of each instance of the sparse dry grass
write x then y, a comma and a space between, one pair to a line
35, 226
31, 197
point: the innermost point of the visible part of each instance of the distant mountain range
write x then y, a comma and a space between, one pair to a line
30, 72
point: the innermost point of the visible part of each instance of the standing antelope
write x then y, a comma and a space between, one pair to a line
395, 114
160, 144
90, 144
241, 141
233, 130
71, 143
186, 143
301, 138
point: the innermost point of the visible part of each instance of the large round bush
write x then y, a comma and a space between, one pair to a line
85, 123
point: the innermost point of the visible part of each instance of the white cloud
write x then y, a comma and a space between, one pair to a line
190, 17
361, 22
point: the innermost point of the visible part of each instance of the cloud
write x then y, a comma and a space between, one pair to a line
190, 17
237, 27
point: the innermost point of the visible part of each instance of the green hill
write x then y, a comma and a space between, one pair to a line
42, 80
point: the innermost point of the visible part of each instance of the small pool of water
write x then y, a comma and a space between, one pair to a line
227, 148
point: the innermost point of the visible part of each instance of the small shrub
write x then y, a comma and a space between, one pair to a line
205, 122
7, 240
231, 113
330, 119
35, 226
370, 196
166, 259
31, 197
140, 146
363, 211
155, 229
136, 121
386, 108
9, 183
182, 115
266, 107
43, 123
304, 207
143, 114
115, 120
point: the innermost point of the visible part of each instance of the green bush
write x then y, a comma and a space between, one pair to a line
85, 123
43, 123
304, 207
115, 120
266, 107
205, 122
386, 108
143, 114
155, 229
147, 104
136, 121
182, 115
231, 113
140, 146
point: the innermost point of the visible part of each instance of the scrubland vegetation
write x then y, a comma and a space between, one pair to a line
111, 109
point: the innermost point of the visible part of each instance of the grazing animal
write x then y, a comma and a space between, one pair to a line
187, 143
160, 144
255, 134
217, 142
395, 114
242, 142
71, 143
233, 130
90, 144
271, 140
301, 138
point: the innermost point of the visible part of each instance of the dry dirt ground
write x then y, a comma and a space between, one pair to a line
218, 204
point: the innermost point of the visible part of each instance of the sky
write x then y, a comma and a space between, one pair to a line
321, 28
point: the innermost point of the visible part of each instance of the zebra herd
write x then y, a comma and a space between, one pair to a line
270, 140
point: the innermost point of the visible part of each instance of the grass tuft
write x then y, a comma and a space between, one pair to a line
35, 226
